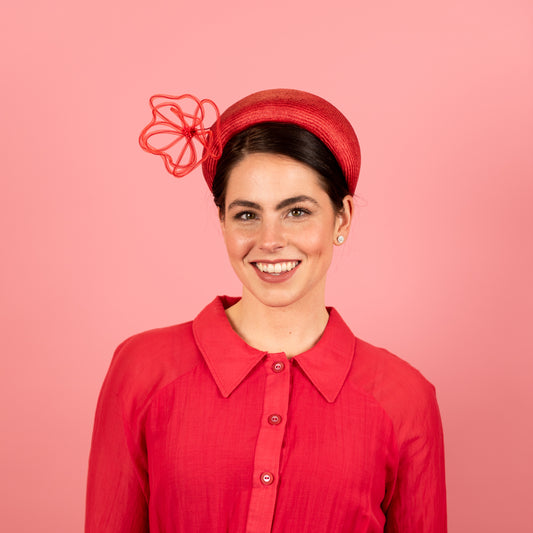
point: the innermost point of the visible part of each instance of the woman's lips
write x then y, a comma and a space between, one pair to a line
275, 272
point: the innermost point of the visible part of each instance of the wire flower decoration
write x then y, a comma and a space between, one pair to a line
177, 128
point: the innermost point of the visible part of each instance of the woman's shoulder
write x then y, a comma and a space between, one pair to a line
386, 367
158, 345
169, 349
148, 361
402, 390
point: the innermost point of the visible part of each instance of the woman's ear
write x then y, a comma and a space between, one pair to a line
344, 219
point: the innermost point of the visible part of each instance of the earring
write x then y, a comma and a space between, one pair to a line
340, 239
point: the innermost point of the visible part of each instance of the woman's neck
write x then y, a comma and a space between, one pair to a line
290, 329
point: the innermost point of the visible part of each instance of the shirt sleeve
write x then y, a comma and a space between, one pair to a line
117, 486
418, 503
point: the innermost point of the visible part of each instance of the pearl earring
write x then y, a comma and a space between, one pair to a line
340, 239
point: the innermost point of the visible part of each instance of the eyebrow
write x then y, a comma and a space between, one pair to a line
281, 205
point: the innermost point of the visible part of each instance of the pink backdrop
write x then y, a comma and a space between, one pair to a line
99, 243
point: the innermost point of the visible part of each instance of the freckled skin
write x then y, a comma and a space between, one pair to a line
303, 230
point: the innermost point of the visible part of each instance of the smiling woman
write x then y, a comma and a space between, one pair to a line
280, 226
265, 413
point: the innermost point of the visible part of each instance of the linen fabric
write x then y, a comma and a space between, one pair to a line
196, 431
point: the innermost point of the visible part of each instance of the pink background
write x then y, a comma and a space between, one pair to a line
100, 243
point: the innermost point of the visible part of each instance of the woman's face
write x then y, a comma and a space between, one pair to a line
279, 226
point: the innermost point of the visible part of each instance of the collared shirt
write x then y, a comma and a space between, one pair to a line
196, 431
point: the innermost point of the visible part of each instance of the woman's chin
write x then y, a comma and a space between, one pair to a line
279, 295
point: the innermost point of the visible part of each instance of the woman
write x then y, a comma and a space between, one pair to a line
265, 413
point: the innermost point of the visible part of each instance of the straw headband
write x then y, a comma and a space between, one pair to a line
178, 123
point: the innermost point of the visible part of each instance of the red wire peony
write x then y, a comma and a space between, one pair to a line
173, 131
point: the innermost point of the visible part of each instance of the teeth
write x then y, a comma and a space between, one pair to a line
276, 268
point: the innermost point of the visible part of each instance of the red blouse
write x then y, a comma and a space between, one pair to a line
196, 431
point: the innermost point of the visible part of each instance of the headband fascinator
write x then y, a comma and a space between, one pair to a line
178, 127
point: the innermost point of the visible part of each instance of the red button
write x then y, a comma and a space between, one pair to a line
274, 420
267, 478
278, 367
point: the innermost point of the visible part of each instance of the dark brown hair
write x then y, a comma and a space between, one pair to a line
283, 139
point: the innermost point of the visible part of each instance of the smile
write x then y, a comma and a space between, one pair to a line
276, 268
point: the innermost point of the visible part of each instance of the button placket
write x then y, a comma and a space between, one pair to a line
269, 445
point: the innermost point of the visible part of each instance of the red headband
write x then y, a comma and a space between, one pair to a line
275, 105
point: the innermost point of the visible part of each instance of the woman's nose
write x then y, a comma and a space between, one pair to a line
271, 236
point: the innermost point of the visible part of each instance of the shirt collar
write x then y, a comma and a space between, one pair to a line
230, 359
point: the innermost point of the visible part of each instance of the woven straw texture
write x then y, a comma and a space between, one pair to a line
296, 107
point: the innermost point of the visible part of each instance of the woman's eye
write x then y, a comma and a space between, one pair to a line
246, 215
298, 212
